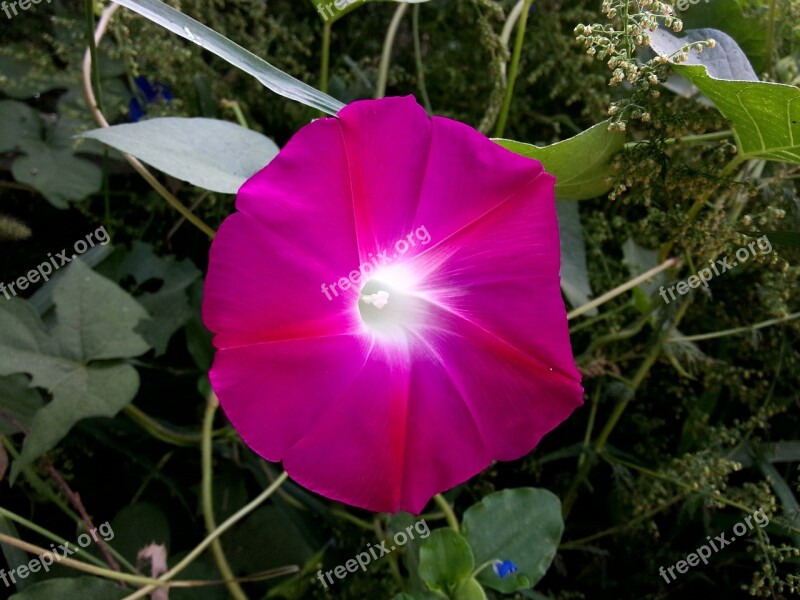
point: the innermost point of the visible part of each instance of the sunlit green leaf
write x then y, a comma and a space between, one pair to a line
581, 164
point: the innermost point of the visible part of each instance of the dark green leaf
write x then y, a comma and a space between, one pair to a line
445, 560
20, 124
89, 588
574, 273
18, 404
60, 176
169, 306
523, 525
94, 322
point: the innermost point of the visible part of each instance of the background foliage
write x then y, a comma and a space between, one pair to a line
705, 425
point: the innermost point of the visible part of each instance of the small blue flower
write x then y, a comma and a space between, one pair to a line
146, 93
135, 111
504, 568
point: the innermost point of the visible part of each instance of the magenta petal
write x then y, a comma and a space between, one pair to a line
454, 355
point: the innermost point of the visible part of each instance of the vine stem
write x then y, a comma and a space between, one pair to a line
726, 332
423, 88
77, 503
622, 288
688, 139
200, 548
48, 534
235, 590
619, 409
326, 56
444, 505
770, 35
514, 69
691, 215
79, 565
158, 431
388, 43
91, 100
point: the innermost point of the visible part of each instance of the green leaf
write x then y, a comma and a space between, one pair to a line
73, 587
18, 403
138, 525
749, 31
13, 555
581, 163
273, 78
58, 175
724, 61
765, 116
330, 11
523, 525
20, 124
469, 590
445, 560
211, 154
169, 307
76, 360
574, 273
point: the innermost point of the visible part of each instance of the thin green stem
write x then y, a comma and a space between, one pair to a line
234, 588
386, 55
690, 488
325, 66
52, 536
513, 70
691, 215
343, 514
573, 544
201, 547
452, 520
158, 431
41, 486
97, 113
90, 24
770, 34
622, 288
619, 410
587, 436
75, 564
237, 111
423, 88
688, 139
748, 329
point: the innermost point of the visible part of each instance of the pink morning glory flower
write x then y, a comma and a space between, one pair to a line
386, 307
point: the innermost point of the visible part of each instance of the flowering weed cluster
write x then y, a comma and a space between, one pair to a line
616, 43
718, 267
704, 552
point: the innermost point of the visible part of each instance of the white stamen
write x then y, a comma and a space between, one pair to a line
378, 300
